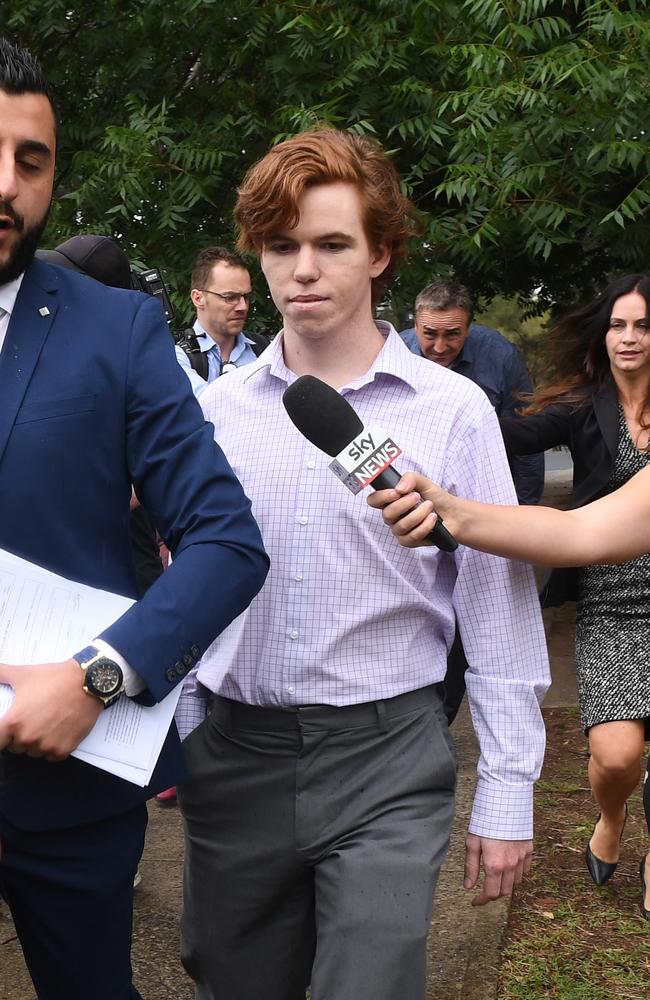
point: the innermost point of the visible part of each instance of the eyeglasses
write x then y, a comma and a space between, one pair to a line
230, 298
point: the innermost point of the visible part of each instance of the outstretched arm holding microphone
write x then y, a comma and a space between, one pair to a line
610, 530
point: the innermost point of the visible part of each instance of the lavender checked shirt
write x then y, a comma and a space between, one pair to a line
347, 615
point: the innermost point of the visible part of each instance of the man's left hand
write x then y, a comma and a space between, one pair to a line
505, 862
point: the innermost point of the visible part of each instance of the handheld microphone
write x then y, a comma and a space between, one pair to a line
326, 419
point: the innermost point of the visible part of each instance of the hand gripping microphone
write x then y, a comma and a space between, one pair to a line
361, 456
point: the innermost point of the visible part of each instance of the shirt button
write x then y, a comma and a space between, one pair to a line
293, 634
298, 578
311, 464
304, 519
291, 689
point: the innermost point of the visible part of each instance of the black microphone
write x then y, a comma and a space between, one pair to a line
326, 419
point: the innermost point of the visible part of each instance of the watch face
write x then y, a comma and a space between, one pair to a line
104, 677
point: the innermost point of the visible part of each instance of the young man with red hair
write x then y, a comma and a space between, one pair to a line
320, 798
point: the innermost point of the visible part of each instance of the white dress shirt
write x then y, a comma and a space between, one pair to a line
8, 295
347, 615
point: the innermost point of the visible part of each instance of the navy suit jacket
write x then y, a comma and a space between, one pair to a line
93, 400
492, 362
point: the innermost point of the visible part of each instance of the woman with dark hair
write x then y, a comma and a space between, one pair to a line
598, 405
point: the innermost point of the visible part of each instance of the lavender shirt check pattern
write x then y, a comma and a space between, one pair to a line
347, 615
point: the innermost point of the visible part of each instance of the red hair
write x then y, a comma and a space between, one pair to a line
272, 188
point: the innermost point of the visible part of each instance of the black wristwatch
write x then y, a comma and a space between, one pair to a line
104, 678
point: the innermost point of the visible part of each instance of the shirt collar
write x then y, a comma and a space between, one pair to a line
394, 361
9, 293
206, 343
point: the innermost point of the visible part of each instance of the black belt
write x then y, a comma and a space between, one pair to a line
262, 719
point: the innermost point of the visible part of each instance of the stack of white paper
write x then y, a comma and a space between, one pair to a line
45, 618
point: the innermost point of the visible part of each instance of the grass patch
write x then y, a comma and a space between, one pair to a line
566, 938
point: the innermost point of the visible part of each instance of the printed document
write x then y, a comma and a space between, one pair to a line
45, 618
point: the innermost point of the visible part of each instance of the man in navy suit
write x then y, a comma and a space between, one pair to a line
92, 400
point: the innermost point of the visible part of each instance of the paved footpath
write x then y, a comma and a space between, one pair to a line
464, 944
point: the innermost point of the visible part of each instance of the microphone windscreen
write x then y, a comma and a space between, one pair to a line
321, 415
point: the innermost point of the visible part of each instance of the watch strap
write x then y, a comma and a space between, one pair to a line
85, 654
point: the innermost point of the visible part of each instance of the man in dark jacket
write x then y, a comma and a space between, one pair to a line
444, 333
93, 402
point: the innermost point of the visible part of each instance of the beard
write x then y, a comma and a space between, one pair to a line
25, 247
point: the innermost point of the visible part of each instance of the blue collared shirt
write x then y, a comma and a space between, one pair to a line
241, 354
493, 363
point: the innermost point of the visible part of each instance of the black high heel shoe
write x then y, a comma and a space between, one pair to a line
601, 871
646, 913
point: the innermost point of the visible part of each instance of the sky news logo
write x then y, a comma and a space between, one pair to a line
365, 458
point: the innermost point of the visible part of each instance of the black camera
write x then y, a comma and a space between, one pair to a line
152, 283
101, 258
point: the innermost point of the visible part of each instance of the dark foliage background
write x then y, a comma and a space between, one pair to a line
520, 127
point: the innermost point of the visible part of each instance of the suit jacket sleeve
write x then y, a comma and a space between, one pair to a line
527, 470
195, 501
548, 429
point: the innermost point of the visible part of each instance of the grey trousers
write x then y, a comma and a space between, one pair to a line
314, 839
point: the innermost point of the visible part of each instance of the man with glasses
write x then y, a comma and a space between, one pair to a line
221, 294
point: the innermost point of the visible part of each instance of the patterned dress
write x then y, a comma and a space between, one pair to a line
613, 622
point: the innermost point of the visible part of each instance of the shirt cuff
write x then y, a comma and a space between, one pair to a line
502, 811
133, 683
